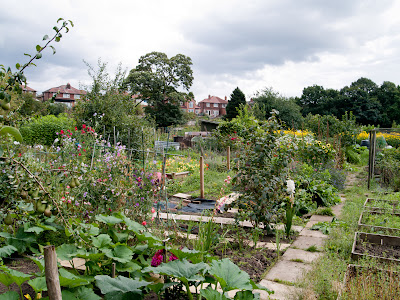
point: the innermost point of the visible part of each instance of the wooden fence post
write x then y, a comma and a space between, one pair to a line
201, 177
228, 158
51, 272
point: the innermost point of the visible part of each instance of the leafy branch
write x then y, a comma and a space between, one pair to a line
15, 80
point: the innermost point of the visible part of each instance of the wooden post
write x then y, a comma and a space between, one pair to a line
228, 158
201, 177
163, 170
51, 272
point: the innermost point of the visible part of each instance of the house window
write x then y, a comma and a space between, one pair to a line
77, 96
181, 103
66, 96
190, 110
54, 94
191, 105
216, 112
223, 105
207, 104
215, 104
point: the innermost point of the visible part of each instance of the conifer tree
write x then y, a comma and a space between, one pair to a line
237, 98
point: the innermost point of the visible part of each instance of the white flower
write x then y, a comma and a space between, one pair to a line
290, 187
16, 143
55, 141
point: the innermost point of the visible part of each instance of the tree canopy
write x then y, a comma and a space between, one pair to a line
159, 81
267, 100
369, 103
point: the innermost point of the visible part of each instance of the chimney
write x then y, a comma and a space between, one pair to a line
209, 96
68, 86
225, 98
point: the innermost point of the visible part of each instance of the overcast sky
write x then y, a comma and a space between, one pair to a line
253, 44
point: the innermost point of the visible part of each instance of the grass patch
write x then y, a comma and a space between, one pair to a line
312, 248
325, 278
283, 282
297, 260
324, 211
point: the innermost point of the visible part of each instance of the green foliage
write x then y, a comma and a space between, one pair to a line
44, 130
262, 170
105, 107
165, 114
237, 99
268, 100
158, 80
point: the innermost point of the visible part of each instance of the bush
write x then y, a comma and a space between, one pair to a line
44, 129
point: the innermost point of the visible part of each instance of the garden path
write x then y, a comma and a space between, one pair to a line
297, 259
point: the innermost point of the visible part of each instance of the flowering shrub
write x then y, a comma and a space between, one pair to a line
315, 152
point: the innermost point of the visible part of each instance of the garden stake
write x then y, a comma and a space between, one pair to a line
51, 271
228, 158
113, 270
94, 149
201, 177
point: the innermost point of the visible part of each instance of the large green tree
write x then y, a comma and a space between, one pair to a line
162, 82
237, 98
388, 94
267, 100
361, 99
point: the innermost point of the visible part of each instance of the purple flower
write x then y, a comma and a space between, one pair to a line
84, 194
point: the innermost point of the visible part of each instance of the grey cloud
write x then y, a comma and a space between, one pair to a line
273, 34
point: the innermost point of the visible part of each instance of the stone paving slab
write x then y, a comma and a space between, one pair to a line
79, 263
337, 209
305, 256
286, 270
321, 218
281, 291
182, 196
311, 224
313, 233
304, 242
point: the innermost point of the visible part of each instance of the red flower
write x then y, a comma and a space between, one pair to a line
62, 131
83, 126
84, 150
79, 154
76, 128
19, 154
144, 223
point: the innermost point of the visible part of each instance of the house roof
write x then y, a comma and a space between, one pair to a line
65, 89
26, 88
214, 99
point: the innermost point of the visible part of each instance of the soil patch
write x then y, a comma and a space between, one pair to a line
387, 251
253, 261
23, 265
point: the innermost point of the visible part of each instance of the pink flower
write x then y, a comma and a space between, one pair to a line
157, 258
153, 210
172, 257
69, 201
144, 223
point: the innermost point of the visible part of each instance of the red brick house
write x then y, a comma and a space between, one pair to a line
213, 106
190, 106
28, 90
67, 94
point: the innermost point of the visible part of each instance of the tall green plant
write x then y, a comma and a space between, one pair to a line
262, 169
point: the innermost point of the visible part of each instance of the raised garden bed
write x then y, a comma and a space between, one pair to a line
381, 247
382, 205
362, 282
380, 222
